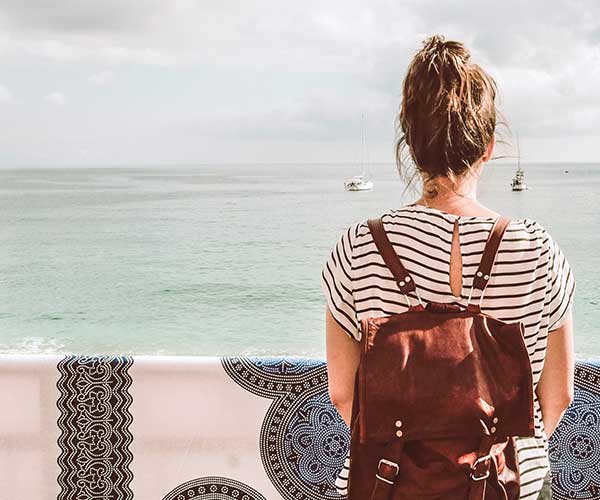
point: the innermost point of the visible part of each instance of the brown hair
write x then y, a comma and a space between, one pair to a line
448, 113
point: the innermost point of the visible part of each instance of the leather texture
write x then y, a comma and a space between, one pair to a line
438, 389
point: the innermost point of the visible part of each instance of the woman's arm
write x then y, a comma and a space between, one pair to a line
343, 355
555, 387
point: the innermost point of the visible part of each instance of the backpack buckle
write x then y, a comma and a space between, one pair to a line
390, 464
480, 460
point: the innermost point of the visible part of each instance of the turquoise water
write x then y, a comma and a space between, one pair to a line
225, 259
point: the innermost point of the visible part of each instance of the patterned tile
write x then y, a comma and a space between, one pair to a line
94, 422
303, 440
574, 448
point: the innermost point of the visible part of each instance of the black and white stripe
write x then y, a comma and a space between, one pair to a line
531, 281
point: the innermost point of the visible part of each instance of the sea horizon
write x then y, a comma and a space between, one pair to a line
219, 260
340, 163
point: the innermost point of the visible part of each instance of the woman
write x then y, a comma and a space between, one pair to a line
447, 127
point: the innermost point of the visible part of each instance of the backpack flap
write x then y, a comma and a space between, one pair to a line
425, 375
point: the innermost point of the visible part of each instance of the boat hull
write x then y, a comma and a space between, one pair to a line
367, 187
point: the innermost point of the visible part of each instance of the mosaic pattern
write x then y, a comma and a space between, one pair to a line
94, 420
587, 376
303, 439
575, 445
214, 488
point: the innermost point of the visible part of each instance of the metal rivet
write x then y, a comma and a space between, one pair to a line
492, 430
407, 279
399, 433
401, 283
495, 420
479, 273
486, 277
398, 423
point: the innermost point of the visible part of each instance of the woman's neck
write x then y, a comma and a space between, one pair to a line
460, 200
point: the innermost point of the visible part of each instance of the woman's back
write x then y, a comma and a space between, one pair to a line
446, 135
530, 282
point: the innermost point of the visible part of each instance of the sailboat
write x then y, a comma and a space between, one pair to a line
518, 181
363, 181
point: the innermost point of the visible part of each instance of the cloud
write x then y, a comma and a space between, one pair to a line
268, 74
5, 95
80, 16
56, 98
102, 78
321, 116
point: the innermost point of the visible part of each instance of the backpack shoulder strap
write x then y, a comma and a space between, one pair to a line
482, 275
391, 259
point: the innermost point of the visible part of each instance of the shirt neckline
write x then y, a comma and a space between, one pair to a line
447, 214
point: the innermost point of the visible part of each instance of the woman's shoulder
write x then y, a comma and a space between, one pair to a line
521, 232
434, 216
434, 228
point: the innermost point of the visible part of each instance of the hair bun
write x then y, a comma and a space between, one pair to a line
436, 49
434, 43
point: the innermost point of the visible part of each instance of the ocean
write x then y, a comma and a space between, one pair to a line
226, 259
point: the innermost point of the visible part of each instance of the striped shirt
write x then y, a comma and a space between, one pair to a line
531, 281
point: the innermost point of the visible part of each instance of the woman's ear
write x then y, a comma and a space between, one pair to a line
490, 149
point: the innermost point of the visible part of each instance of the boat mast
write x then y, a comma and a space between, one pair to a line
365, 157
363, 141
368, 159
518, 154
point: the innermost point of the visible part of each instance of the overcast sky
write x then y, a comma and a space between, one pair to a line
147, 81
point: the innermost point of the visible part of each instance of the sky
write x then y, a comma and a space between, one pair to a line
135, 82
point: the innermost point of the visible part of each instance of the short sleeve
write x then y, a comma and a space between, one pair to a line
337, 286
561, 286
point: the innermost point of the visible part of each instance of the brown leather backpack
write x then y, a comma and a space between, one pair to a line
440, 393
